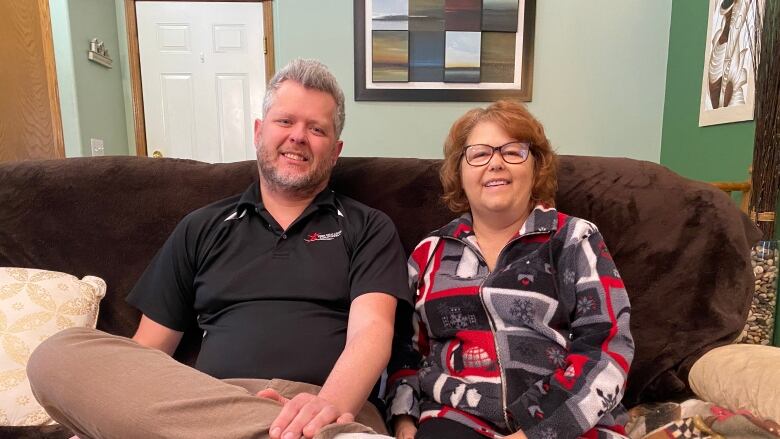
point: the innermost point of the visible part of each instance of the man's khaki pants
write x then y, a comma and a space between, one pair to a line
104, 386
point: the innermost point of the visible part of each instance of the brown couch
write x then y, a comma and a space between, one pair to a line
682, 246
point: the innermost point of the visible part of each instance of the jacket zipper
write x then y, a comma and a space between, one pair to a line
493, 330
498, 355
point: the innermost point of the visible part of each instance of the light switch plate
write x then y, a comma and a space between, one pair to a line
97, 147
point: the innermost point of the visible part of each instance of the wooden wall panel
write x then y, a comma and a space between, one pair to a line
30, 124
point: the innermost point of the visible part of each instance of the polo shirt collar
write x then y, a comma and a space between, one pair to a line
250, 200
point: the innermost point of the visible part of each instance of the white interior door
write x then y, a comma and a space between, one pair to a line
202, 73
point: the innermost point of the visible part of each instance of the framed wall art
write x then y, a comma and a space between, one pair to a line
728, 81
443, 50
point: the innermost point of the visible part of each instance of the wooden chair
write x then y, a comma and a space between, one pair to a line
737, 186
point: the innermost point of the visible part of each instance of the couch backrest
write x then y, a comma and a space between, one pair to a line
682, 247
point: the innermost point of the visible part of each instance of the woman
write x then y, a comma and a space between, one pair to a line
521, 320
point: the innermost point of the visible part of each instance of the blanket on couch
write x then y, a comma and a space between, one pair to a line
697, 419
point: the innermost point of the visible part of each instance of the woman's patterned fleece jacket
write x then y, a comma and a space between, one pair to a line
540, 344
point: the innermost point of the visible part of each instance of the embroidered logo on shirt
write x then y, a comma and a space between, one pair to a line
322, 236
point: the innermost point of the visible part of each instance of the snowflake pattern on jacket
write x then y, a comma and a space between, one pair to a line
540, 344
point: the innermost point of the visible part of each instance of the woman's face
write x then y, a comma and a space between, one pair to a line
497, 188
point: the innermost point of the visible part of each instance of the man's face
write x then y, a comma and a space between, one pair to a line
296, 143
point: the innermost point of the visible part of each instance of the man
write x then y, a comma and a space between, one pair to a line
291, 283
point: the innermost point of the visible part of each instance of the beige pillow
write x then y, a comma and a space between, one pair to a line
740, 376
35, 304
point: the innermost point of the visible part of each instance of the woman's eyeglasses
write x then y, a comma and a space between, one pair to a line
513, 152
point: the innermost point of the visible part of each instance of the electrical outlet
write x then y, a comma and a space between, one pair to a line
97, 147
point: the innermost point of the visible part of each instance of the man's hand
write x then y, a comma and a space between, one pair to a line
517, 435
369, 337
405, 427
272, 394
303, 415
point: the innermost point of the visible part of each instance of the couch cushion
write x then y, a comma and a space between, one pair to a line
34, 305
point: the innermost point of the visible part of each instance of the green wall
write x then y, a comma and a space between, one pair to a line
91, 96
598, 87
599, 78
66, 76
99, 89
713, 153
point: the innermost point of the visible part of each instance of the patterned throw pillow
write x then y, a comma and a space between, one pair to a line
740, 377
34, 305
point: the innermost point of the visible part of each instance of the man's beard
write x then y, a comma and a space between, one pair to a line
301, 184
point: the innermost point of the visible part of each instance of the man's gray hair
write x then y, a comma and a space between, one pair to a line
311, 74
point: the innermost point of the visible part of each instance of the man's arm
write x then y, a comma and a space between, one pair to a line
369, 340
367, 351
154, 335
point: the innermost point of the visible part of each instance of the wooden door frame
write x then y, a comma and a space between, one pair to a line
135, 61
44, 16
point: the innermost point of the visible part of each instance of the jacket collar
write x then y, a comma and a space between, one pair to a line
542, 219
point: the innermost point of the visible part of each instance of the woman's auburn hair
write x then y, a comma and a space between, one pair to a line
519, 124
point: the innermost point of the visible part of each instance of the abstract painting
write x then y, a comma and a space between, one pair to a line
426, 15
444, 50
499, 15
461, 56
390, 15
498, 61
390, 56
463, 15
426, 56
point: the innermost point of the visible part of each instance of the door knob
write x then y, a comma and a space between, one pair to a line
157, 154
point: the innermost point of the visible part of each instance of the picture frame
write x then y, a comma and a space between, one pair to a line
459, 53
728, 78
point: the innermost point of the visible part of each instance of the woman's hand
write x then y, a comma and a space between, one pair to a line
404, 426
517, 435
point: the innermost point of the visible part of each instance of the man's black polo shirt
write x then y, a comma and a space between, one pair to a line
272, 303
